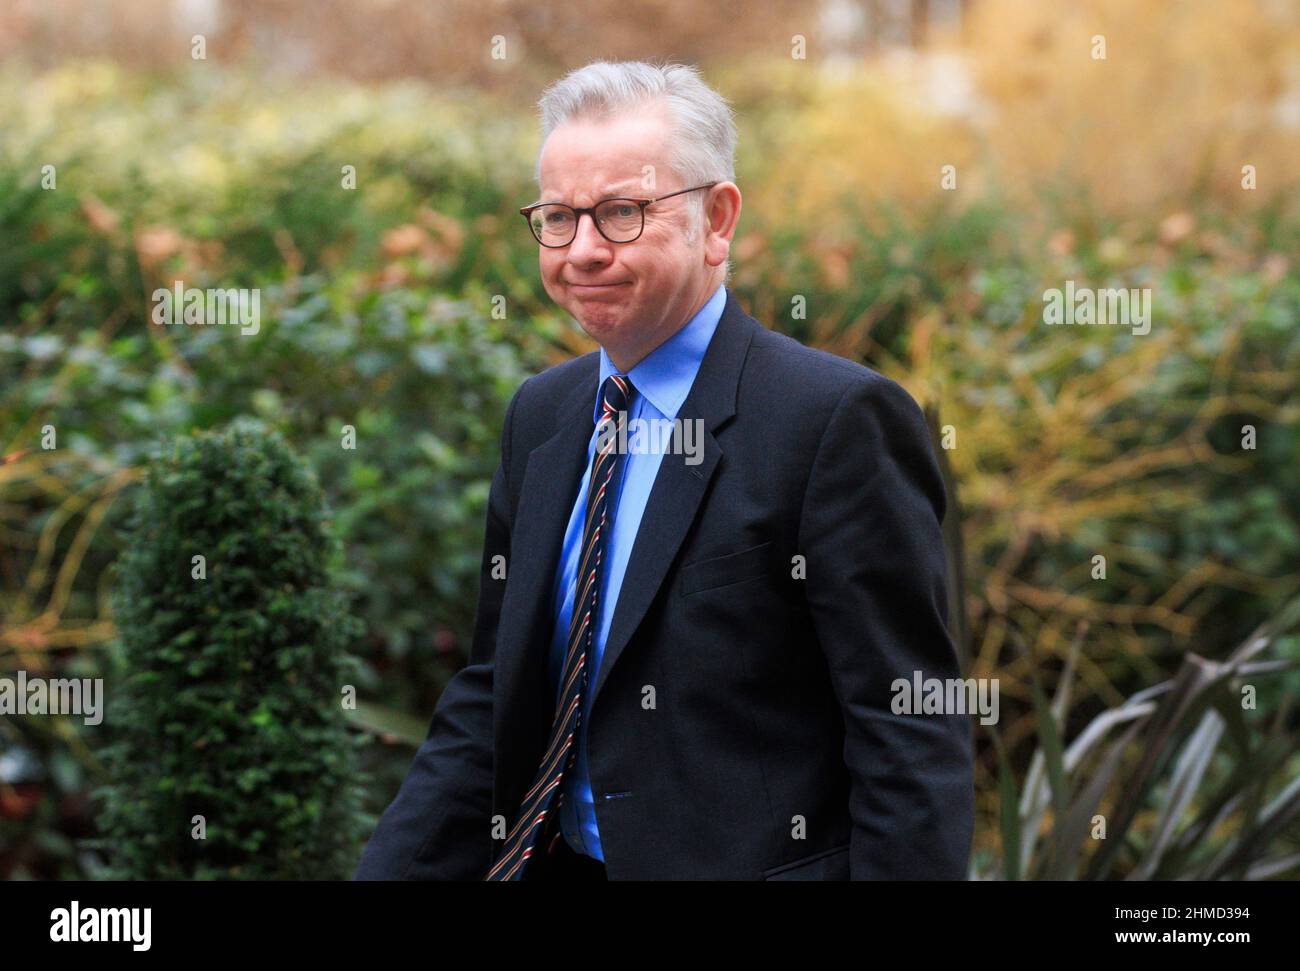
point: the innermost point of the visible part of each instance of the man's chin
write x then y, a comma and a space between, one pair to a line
599, 328
598, 321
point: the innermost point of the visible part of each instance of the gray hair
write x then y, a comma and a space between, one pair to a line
702, 140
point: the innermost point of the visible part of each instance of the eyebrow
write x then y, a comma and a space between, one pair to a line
609, 191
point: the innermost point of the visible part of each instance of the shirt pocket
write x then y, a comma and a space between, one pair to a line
724, 570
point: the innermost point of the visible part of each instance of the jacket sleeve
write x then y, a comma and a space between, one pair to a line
439, 825
871, 533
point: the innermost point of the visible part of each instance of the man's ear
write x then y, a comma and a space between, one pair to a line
721, 217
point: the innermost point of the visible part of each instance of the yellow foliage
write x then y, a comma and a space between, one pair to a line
1187, 93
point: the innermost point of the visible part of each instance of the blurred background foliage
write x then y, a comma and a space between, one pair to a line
378, 313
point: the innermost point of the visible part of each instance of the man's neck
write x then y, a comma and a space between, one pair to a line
626, 359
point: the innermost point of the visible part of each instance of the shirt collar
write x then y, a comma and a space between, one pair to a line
666, 374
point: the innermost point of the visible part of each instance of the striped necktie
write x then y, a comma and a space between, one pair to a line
539, 800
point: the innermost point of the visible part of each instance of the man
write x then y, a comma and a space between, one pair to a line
684, 659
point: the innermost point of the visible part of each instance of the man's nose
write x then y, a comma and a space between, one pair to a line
587, 241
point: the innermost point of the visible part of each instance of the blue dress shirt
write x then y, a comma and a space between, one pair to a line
662, 380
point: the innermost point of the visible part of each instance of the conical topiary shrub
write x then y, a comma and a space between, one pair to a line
230, 754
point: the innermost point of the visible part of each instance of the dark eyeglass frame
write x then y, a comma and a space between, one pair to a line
527, 212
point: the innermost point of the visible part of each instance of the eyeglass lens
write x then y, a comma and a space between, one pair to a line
557, 225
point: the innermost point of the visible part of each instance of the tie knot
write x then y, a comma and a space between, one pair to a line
616, 393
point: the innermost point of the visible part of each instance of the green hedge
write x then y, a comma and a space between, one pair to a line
227, 699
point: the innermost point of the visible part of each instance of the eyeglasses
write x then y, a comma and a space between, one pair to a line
554, 224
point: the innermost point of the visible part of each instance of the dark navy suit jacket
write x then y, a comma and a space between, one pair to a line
768, 747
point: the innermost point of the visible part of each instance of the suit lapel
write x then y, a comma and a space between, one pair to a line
679, 488
524, 702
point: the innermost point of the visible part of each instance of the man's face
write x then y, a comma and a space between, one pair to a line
629, 297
